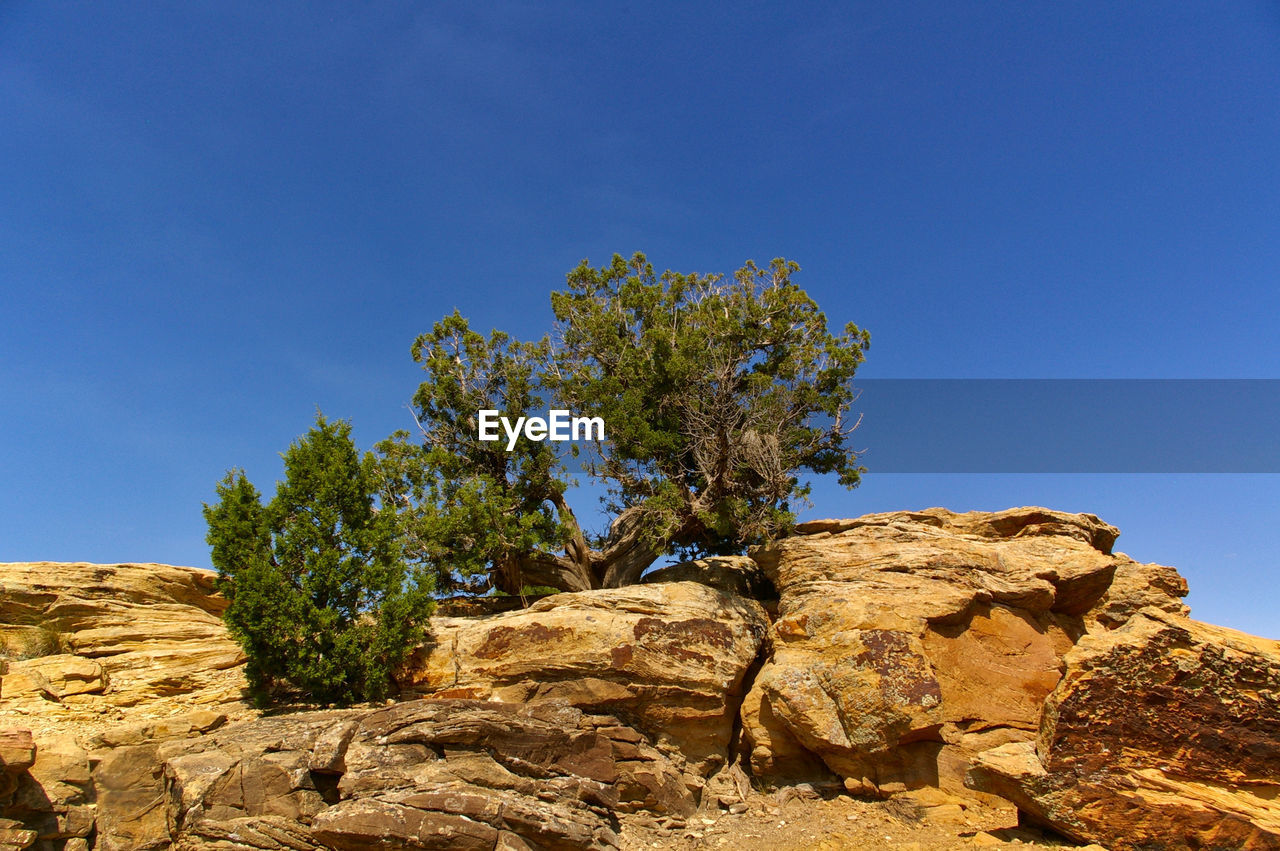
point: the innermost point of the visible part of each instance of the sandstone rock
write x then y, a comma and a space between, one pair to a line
1134, 587
593, 757
17, 751
427, 773
738, 575
667, 658
14, 837
151, 630
54, 797
54, 677
1164, 733
907, 642
179, 726
129, 787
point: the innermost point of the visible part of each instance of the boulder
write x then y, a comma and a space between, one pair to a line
668, 658
1164, 733
908, 642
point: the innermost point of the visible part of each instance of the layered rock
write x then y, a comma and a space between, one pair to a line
421, 774
668, 658
54, 796
114, 635
1164, 733
1136, 586
908, 642
88, 644
907, 647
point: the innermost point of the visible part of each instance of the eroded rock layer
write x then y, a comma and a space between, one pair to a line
958, 661
120, 635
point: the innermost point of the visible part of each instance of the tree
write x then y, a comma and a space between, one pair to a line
320, 595
716, 394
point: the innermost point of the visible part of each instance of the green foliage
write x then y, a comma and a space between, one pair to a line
320, 596
469, 507
716, 395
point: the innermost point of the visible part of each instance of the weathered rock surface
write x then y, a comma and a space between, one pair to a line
17, 754
738, 575
668, 658
1134, 587
420, 774
54, 677
54, 796
124, 634
88, 644
908, 642
1164, 733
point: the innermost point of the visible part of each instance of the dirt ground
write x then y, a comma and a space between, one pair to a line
782, 823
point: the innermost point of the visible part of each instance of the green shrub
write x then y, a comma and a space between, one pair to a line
320, 597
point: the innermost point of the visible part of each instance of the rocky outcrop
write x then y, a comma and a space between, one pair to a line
122, 635
17, 754
955, 661
1164, 733
419, 774
668, 658
90, 645
908, 642
54, 796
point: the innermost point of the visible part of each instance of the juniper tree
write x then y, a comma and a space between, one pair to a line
717, 394
320, 597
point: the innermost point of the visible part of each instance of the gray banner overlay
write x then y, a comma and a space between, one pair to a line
1069, 425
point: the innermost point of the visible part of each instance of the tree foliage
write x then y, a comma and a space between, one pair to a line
716, 393
320, 595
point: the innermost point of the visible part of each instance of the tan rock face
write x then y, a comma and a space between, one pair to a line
1164, 733
907, 642
1134, 587
54, 797
125, 635
668, 658
54, 677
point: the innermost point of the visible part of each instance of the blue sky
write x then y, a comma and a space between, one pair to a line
215, 217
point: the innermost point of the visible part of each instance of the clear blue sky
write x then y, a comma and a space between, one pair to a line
215, 217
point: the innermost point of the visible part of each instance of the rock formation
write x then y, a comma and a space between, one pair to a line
670, 658
954, 661
908, 642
